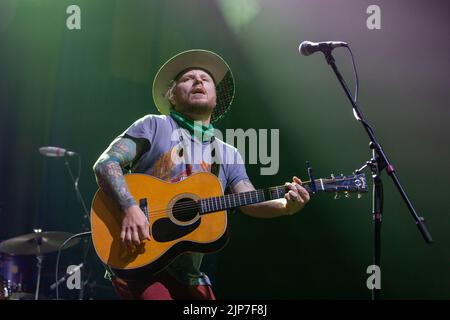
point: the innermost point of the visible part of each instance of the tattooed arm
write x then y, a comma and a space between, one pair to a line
293, 201
108, 171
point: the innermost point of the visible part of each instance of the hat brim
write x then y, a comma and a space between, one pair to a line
196, 58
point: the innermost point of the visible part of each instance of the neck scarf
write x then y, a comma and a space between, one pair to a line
196, 128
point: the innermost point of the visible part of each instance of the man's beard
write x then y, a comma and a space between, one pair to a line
201, 109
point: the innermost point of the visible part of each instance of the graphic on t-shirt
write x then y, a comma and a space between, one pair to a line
166, 169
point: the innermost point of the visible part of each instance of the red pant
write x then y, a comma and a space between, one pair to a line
161, 287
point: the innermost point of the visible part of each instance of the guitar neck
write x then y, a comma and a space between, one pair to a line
234, 200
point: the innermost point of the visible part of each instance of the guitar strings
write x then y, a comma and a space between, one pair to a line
252, 195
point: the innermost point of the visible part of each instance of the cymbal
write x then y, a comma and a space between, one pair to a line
23, 296
39, 242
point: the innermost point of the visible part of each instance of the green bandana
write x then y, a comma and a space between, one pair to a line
194, 127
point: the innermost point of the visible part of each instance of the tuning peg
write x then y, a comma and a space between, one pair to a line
347, 195
332, 176
359, 195
337, 196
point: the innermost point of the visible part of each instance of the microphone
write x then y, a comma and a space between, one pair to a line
55, 152
307, 48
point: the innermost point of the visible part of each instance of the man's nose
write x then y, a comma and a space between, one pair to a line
198, 79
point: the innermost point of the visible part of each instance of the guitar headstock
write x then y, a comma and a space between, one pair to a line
355, 183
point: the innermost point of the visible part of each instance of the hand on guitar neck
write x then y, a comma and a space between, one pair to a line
288, 201
297, 197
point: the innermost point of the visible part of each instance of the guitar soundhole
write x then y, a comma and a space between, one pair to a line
185, 209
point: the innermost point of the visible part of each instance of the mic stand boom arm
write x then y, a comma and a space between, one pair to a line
377, 164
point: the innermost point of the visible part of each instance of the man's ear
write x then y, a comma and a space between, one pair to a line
171, 99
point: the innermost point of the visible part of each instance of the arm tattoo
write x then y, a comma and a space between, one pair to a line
108, 169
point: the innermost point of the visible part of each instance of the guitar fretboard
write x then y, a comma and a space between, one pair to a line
234, 200
354, 183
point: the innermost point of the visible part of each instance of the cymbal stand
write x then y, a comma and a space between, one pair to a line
39, 258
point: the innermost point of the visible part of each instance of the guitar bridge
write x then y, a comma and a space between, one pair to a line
144, 208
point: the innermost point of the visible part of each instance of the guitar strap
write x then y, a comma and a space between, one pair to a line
215, 166
215, 169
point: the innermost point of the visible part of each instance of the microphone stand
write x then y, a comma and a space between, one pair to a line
377, 164
84, 225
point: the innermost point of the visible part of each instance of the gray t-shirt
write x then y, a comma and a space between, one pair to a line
174, 155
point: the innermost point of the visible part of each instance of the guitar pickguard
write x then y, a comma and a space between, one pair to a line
164, 230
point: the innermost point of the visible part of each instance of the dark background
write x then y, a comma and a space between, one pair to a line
79, 89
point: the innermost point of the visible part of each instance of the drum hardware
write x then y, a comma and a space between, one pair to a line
35, 244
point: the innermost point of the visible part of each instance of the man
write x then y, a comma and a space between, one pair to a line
195, 86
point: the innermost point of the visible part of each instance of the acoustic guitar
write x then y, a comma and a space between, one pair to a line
189, 215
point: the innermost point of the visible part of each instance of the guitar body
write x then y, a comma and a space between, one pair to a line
176, 225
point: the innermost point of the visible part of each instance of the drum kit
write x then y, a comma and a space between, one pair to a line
19, 274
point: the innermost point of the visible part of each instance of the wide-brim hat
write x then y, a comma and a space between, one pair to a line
197, 58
